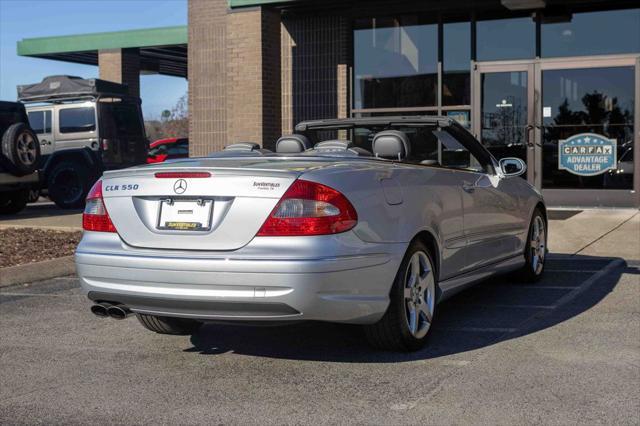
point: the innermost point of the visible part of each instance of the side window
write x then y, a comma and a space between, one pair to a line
178, 148
40, 121
75, 120
158, 150
424, 145
47, 121
454, 155
36, 121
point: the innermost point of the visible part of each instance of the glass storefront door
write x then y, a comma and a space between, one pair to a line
503, 112
574, 122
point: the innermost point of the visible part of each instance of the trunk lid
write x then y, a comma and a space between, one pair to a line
230, 205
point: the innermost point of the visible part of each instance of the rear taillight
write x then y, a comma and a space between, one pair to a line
309, 208
95, 216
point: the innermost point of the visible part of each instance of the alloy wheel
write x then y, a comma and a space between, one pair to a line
538, 245
26, 149
419, 294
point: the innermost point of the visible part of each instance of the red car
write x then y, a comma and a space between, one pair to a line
167, 149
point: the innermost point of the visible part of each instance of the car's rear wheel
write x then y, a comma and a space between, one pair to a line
13, 201
406, 324
68, 184
167, 325
535, 249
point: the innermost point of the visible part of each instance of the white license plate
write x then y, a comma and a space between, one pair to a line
185, 215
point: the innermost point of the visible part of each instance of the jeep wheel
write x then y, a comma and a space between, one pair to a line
13, 201
68, 185
21, 148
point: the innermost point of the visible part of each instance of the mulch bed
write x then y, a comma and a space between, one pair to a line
25, 245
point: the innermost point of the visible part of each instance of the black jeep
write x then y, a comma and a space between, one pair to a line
19, 158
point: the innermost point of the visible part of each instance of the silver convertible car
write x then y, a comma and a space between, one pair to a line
368, 221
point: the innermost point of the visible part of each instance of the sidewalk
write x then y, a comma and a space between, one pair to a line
597, 232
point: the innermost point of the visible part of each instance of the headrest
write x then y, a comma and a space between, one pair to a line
392, 144
292, 143
333, 145
242, 146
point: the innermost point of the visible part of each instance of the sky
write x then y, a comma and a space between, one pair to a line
21, 19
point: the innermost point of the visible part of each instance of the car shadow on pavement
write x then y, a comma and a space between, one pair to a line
40, 210
496, 310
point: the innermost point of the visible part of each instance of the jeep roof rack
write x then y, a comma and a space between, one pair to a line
57, 88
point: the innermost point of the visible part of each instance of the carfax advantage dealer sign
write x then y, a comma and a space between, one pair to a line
587, 154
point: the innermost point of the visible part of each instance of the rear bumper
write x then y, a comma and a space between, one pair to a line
334, 278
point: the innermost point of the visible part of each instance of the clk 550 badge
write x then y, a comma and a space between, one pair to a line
125, 187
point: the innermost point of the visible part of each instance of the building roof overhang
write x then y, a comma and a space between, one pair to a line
162, 50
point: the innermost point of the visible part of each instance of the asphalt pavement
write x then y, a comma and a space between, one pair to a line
563, 351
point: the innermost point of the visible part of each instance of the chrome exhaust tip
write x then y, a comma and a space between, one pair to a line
100, 310
118, 312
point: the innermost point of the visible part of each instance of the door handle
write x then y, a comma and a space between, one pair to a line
527, 135
467, 187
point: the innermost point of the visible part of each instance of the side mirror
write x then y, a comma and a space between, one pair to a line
512, 166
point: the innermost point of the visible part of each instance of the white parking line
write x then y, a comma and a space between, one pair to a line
585, 285
506, 305
539, 287
480, 329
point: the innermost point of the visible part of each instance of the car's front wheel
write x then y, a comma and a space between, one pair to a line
406, 324
168, 325
535, 249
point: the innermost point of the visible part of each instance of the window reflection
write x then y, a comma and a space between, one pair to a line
592, 33
395, 63
456, 63
595, 100
506, 39
504, 113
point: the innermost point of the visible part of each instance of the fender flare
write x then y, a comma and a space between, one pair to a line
85, 155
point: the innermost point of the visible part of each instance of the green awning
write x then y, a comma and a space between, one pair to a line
162, 50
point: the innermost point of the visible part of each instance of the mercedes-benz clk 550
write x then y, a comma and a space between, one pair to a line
369, 221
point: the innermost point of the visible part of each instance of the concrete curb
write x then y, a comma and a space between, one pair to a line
52, 228
37, 271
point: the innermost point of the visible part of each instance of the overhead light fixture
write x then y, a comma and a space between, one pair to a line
523, 4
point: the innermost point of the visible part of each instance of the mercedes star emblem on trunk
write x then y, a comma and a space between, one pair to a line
180, 186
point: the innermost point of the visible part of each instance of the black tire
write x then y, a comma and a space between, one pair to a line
12, 202
21, 148
531, 273
168, 325
392, 332
68, 184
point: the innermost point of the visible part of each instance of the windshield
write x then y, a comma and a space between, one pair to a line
429, 144
423, 140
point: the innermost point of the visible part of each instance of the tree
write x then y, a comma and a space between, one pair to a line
173, 123
176, 123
